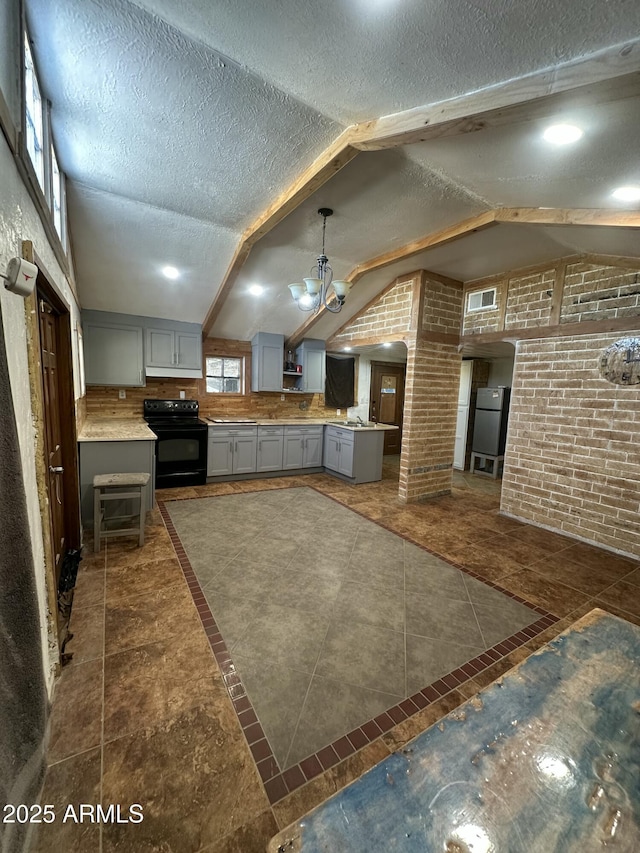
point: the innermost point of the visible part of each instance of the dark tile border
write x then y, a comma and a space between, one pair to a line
278, 784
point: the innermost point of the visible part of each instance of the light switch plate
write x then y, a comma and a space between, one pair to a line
122, 394
182, 395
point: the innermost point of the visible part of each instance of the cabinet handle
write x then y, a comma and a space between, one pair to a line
260, 446
236, 447
140, 376
302, 443
231, 447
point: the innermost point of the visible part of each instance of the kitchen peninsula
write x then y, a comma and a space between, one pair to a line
114, 445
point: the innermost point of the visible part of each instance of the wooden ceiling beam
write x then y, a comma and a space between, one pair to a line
610, 74
524, 215
430, 241
323, 168
566, 216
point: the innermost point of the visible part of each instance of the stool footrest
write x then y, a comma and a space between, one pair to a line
118, 487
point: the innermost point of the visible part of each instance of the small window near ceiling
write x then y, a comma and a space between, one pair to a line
33, 115
481, 300
57, 197
224, 374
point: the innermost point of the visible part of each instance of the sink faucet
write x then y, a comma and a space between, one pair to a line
360, 421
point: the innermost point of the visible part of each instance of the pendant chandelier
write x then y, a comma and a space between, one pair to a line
320, 289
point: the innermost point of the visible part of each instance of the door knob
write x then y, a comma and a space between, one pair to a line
56, 470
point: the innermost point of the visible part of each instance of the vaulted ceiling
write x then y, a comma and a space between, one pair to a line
206, 135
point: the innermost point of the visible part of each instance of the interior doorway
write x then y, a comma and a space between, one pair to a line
48, 322
488, 366
386, 401
57, 457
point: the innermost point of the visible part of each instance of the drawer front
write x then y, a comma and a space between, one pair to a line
312, 429
270, 430
224, 432
336, 432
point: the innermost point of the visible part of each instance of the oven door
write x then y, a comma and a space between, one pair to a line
181, 456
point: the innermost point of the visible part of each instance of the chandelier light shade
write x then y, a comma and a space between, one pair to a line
320, 289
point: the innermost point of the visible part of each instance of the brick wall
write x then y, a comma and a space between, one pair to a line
442, 308
529, 300
432, 378
430, 412
389, 315
596, 292
572, 459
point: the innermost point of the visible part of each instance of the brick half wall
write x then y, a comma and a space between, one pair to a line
572, 460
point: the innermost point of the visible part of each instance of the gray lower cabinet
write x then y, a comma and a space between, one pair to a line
270, 448
355, 454
114, 457
302, 447
231, 451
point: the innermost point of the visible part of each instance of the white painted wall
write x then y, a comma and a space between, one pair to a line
19, 221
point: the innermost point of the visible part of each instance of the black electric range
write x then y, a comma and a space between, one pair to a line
181, 446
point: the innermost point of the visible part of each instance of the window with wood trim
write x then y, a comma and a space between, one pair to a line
58, 206
482, 300
46, 180
33, 113
224, 374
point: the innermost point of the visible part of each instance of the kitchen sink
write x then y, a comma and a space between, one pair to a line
353, 423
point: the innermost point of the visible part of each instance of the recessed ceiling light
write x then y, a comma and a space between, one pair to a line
170, 272
627, 193
562, 134
256, 289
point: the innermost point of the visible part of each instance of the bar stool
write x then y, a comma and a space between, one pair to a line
118, 487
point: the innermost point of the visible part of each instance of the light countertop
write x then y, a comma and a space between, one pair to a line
116, 429
229, 422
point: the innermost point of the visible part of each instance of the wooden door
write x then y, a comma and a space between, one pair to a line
386, 401
54, 457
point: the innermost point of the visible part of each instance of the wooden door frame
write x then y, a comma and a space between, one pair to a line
70, 478
394, 366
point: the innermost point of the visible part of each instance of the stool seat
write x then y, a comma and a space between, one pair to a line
101, 480
119, 487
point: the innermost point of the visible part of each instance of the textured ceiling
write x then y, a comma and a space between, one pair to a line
178, 125
359, 59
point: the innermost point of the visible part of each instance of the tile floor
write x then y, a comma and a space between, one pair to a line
331, 619
145, 714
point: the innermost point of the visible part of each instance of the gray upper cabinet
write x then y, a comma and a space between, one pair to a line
267, 361
122, 349
311, 355
113, 354
173, 349
160, 345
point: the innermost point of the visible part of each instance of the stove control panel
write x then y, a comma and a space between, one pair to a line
171, 407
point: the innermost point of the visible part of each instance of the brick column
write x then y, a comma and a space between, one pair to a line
430, 413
